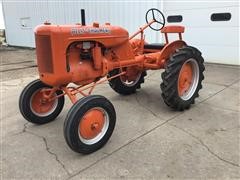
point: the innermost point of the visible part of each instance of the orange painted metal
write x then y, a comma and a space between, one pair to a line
168, 50
137, 46
97, 57
173, 29
40, 104
180, 36
59, 49
141, 29
166, 37
71, 96
131, 73
91, 124
185, 78
150, 50
71, 92
83, 55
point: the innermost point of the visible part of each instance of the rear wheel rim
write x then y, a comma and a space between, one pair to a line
93, 125
130, 83
40, 106
188, 79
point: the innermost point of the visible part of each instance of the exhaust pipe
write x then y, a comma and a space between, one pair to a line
83, 17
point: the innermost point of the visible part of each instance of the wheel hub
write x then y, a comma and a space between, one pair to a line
131, 78
40, 105
185, 78
91, 124
188, 79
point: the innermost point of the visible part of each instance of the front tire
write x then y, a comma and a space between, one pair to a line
182, 78
89, 124
35, 108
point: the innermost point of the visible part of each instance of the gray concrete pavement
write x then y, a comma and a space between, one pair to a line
149, 141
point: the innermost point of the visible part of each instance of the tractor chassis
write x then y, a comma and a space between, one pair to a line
91, 120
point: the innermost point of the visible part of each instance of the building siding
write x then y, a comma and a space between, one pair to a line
130, 15
218, 41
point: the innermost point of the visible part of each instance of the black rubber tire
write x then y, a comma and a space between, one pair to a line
24, 103
173, 66
118, 86
74, 117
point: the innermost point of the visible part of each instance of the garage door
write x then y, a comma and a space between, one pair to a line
213, 27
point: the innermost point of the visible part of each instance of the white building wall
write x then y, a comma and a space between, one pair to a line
1, 17
218, 40
130, 15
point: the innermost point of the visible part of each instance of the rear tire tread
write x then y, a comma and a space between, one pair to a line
119, 87
170, 77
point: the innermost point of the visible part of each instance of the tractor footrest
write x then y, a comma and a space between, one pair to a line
155, 46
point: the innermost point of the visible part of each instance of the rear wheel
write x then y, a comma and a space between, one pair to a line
89, 124
182, 78
35, 108
124, 84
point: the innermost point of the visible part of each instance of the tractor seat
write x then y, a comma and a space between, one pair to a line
155, 46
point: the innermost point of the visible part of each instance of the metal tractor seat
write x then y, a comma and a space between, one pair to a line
154, 46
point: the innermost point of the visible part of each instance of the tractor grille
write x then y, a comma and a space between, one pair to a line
44, 53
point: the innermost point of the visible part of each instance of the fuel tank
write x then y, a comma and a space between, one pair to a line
106, 34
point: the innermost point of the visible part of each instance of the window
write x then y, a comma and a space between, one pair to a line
25, 23
221, 16
175, 18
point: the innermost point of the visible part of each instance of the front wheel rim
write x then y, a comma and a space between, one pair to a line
188, 79
93, 125
41, 106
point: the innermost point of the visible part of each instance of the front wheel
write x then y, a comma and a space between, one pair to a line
89, 124
182, 78
35, 108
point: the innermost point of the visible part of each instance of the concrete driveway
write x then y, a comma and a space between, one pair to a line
149, 141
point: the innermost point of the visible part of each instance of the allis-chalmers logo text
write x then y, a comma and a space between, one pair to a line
77, 31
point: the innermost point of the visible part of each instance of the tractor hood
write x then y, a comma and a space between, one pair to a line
105, 34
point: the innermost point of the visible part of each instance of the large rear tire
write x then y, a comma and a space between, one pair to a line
35, 108
122, 86
182, 78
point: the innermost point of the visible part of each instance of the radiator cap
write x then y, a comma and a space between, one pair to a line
96, 24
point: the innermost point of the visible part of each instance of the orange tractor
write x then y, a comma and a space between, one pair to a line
88, 55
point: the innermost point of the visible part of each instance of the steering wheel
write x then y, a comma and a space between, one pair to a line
154, 12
